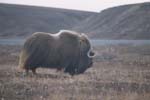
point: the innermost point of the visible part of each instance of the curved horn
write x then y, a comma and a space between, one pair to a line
91, 53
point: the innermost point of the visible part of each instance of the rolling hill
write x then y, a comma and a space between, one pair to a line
21, 21
123, 22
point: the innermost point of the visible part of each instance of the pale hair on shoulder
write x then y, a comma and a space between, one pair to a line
56, 35
84, 35
39, 32
68, 31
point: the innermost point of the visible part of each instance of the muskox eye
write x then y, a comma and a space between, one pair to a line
92, 54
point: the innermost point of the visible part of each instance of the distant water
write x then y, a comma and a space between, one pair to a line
117, 42
15, 41
93, 42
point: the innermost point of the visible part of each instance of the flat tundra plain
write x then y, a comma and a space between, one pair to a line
120, 72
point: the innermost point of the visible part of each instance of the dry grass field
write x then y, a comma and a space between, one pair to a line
120, 72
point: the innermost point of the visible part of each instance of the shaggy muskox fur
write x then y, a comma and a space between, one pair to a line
67, 50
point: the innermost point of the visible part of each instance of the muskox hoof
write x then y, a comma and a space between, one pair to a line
34, 71
25, 73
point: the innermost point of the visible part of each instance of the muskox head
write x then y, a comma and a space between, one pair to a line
86, 55
85, 58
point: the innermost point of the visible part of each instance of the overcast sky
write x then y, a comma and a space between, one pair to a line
88, 5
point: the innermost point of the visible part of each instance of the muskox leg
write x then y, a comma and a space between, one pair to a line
59, 69
25, 72
34, 71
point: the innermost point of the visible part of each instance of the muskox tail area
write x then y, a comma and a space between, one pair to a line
22, 59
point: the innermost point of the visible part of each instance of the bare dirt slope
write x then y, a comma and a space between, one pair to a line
119, 73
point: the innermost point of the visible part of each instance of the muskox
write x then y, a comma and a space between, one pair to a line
66, 50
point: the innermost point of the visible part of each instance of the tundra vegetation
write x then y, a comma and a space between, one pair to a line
119, 72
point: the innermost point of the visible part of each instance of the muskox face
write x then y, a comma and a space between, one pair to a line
86, 62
